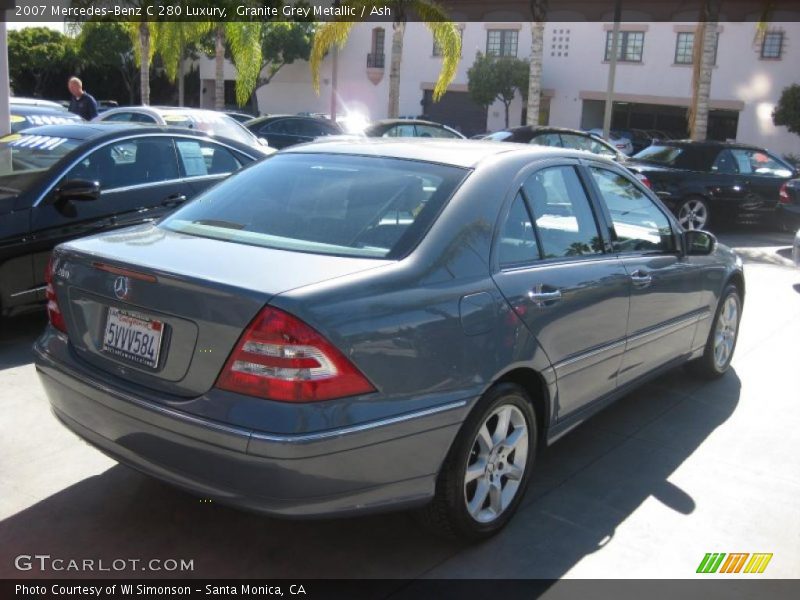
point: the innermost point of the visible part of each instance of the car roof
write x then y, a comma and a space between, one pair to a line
543, 128
708, 144
22, 101
85, 131
39, 109
454, 152
405, 122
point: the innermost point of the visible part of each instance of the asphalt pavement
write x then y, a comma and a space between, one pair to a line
673, 471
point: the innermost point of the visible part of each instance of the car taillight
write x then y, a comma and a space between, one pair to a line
54, 313
783, 195
645, 181
279, 357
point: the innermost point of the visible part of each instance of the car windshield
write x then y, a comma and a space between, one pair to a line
499, 136
326, 204
25, 158
212, 123
662, 155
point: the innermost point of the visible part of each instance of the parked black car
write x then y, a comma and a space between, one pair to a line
282, 131
410, 128
25, 116
714, 182
559, 137
60, 182
789, 205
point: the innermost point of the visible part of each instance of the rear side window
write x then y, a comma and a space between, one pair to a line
199, 159
547, 139
517, 240
326, 204
563, 216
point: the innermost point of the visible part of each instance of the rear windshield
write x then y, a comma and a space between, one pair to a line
211, 123
663, 155
323, 203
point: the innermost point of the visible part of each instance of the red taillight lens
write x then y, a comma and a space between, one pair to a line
783, 195
645, 181
281, 358
54, 313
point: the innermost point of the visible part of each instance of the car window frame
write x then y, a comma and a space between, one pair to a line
135, 186
597, 199
517, 187
47, 189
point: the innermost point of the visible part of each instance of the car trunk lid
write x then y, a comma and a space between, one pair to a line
163, 309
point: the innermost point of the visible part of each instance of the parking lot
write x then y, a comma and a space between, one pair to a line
671, 472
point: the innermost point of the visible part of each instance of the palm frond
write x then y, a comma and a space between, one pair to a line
447, 37
244, 41
327, 35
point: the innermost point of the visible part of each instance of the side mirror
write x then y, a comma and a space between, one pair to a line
698, 242
81, 190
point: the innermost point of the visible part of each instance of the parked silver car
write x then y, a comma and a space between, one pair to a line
210, 121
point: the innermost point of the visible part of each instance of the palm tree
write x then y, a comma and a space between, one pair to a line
704, 51
539, 14
243, 40
142, 34
173, 38
445, 34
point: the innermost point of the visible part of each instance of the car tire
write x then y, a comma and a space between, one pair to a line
476, 504
693, 212
721, 343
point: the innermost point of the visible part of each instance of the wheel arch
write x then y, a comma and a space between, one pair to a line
536, 387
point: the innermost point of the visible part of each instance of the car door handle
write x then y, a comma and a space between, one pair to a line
541, 298
641, 278
174, 200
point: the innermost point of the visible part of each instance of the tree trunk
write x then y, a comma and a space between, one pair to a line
144, 67
219, 81
538, 9
507, 105
181, 82
705, 41
394, 69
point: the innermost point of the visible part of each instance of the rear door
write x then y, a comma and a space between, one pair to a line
202, 163
552, 266
139, 181
665, 286
762, 176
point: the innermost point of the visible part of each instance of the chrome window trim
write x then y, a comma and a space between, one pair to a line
50, 187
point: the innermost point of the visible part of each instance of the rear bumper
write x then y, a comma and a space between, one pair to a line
368, 467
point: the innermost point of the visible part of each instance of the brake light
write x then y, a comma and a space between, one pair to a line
783, 195
645, 181
54, 313
279, 357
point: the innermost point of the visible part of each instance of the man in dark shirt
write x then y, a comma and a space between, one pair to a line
82, 104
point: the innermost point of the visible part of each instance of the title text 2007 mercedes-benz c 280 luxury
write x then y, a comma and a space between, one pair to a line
358, 326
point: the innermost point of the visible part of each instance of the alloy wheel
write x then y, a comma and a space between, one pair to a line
496, 463
693, 214
725, 332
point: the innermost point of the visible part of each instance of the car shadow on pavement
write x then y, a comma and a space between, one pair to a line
17, 335
583, 488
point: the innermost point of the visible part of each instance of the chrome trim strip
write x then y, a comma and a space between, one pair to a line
49, 188
287, 439
312, 437
674, 325
589, 354
41, 288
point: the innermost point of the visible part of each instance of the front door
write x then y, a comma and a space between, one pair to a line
571, 294
665, 286
139, 181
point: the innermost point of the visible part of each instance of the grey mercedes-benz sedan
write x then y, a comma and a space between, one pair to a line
348, 327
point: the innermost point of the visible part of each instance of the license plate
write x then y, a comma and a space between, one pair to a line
133, 337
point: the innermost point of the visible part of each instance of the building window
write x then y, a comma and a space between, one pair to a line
772, 45
375, 59
437, 51
629, 46
684, 48
501, 42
